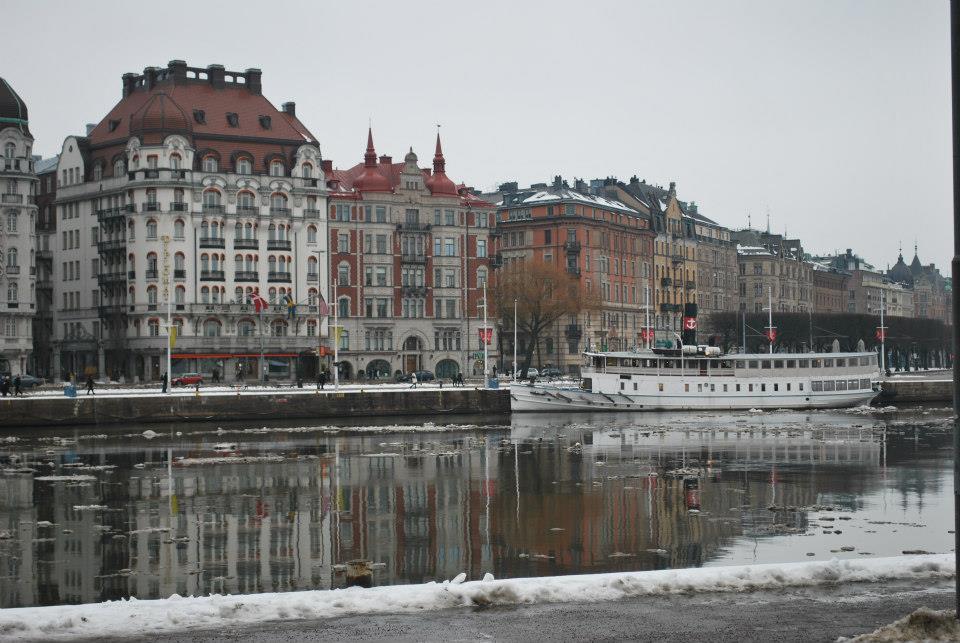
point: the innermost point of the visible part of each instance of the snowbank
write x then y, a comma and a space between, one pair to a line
143, 618
922, 625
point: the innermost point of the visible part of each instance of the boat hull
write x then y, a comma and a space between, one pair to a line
525, 398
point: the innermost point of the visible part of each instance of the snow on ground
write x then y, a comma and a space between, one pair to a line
176, 614
922, 625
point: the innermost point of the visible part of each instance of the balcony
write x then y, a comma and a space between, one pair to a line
152, 275
311, 213
212, 208
279, 244
45, 254
413, 226
152, 173
691, 285
111, 244
111, 310
280, 212
248, 210
11, 198
23, 166
278, 276
666, 282
573, 331
105, 278
150, 206
179, 273
669, 308
408, 258
176, 206
312, 277
246, 244
496, 261
495, 233
414, 291
572, 247
573, 271
246, 275
211, 275
212, 242
677, 258
109, 214
132, 274
13, 270
44, 284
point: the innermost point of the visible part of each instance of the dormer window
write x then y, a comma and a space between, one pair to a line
244, 166
265, 122
232, 119
276, 168
97, 172
200, 116
113, 124
118, 167
209, 164
174, 161
307, 171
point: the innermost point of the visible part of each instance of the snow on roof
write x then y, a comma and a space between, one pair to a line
543, 196
753, 251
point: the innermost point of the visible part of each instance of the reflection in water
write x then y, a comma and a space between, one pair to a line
90, 518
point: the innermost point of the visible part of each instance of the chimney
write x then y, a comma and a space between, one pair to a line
254, 81
673, 187
290, 108
327, 165
177, 70
634, 180
150, 77
557, 181
385, 160
129, 80
90, 127
215, 74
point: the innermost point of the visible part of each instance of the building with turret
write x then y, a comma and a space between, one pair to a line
18, 187
194, 194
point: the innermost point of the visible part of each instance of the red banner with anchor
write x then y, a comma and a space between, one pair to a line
690, 323
486, 335
881, 334
771, 334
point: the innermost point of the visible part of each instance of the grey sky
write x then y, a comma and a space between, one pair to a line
834, 115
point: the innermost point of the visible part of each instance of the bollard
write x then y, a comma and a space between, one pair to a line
359, 573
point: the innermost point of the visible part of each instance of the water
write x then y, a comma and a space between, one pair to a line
190, 509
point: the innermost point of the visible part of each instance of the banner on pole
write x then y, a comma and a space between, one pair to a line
486, 335
771, 334
173, 336
881, 334
690, 323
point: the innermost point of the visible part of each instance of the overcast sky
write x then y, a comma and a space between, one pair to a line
833, 115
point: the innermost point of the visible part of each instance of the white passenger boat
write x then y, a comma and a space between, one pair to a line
701, 378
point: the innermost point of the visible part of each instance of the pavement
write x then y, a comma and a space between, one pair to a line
820, 613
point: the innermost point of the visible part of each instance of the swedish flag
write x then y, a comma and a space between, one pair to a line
291, 307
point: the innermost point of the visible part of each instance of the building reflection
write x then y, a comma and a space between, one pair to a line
284, 513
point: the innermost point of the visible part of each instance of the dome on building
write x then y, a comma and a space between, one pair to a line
900, 273
371, 180
160, 114
411, 157
439, 183
13, 111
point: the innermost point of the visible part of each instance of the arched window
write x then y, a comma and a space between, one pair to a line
343, 274
204, 262
175, 161
278, 201
251, 263
204, 230
278, 328
98, 172
248, 229
244, 166
272, 295
307, 171
211, 328
344, 304
131, 231
119, 167
238, 263
205, 295
211, 198
151, 265
152, 295
246, 328
9, 150
210, 163
311, 234
481, 277
179, 262
246, 199
131, 295
312, 265
180, 295
151, 229
215, 295
178, 229
153, 327
276, 168
272, 263
238, 295
12, 258
11, 221
272, 232
13, 293
312, 328
312, 297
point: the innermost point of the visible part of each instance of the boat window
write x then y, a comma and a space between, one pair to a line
841, 385
714, 364
660, 387
713, 388
791, 363
828, 385
686, 388
763, 388
864, 383
828, 363
816, 386
841, 361
866, 361
668, 363
778, 363
776, 387
741, 363
726, 363
853, 385
816, 363
634, 386
724, 388
804, 363
637, 363
750, 388
753, 364
788, 386
801, 386
699, 388
765, 364
738, 388
625, 362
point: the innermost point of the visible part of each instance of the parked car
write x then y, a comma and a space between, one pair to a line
532, 372
26, 380
422, 376
552, 372
188, 379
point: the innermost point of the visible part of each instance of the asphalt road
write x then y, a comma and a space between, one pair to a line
812, 614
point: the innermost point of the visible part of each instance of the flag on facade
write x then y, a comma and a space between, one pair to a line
259, 303
173, 336
291, 306
322, 306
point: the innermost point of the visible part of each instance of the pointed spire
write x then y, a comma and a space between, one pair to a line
370, 158
439, 163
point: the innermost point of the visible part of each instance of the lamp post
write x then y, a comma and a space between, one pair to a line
169, 294
955, 270
515, 340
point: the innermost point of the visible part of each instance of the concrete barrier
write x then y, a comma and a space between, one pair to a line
895, 391
34, 412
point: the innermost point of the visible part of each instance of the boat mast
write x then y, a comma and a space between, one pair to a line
646, 319
883, 332
770, 316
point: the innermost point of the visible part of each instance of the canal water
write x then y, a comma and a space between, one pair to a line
193, 509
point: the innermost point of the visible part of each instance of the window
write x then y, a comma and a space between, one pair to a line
343, 274
481, 277
343, 305
153, 327
13, 293
178, 229
211, 198
11, 221
209, 163
211, 328
381, 214
311, 234
233, 120
12, 258
151, 229
343, 242
449, 247
276, 168
481, 248
244, 165
175, 161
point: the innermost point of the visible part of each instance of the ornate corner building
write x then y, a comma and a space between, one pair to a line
18, 187
193, 191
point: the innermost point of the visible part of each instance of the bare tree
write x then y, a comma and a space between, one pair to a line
544, 292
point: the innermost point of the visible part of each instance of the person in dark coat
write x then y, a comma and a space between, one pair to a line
163, 386
90, 385
4, 385
17, 391
322, 380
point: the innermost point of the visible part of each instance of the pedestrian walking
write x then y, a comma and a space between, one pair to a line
4, 385
413, 380
163, 385
90, 385
17, 391
322, 380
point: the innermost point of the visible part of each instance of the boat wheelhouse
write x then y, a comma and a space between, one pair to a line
700, 377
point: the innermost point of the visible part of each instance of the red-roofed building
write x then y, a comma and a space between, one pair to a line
195, 190
409, 259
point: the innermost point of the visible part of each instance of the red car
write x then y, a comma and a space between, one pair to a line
188, 379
